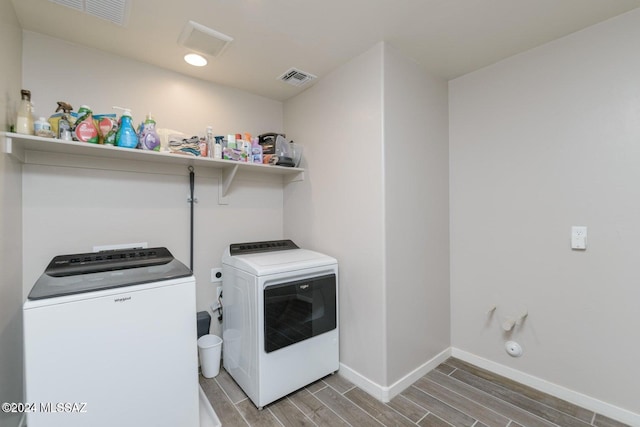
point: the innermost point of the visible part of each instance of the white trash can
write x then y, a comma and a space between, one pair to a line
209, 350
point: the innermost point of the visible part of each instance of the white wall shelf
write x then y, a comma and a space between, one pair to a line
26, 149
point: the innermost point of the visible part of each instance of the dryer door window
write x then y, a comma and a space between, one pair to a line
296, 311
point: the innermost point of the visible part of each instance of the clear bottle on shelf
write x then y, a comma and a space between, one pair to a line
217, 148
24, 119
256, 151
210, 142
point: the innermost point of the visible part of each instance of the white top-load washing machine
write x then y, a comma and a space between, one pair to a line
280, 317
109, 340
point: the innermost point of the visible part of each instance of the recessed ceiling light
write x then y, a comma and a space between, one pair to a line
195, 60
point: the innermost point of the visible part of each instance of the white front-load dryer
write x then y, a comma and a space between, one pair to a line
280, 317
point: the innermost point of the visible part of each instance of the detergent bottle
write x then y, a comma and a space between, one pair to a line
149, 139
126, 136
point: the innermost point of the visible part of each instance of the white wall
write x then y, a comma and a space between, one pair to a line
55, 70
339, 207
11, 389
69, 206
539, 142
374, 131
416, 197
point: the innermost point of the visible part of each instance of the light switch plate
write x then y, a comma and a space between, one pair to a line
579, 237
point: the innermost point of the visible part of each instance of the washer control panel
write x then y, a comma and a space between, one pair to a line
266, 246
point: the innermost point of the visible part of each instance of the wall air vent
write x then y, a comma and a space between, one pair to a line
203, 39
296, 77
115, 11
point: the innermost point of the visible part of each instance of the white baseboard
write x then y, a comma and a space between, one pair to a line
386, 393
560, 392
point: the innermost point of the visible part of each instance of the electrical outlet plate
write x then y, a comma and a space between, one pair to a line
579, 237
216, 275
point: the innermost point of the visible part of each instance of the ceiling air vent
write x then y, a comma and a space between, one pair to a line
203, 39
73, 4
296, 77
111, 10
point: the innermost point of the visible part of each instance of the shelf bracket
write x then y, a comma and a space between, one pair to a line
294, 178
226, 178
12, 149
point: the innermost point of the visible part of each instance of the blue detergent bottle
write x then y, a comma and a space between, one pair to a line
126, 136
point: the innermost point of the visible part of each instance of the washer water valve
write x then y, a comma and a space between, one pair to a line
510, 322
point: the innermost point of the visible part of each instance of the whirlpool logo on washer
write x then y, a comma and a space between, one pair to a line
121, 299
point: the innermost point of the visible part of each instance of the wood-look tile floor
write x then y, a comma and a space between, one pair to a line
454, 394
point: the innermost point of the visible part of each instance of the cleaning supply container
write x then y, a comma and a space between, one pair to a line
210, 350
126, 135
149, 138
24, 119
85, 129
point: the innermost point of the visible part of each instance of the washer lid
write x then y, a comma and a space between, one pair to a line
79, 273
